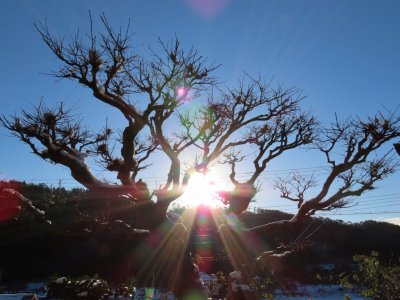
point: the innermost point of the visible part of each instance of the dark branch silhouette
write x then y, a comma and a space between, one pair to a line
356, 161
252, 123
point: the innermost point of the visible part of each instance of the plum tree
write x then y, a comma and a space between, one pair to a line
152, 94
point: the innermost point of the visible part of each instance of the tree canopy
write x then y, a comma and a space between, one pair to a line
252, 122
151, 93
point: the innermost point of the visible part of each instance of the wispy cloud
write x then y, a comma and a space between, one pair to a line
395, 221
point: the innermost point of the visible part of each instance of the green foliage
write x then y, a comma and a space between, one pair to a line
264, 286
220, 277
372, 279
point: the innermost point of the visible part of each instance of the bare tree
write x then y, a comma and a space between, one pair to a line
358, 155
253, 115
249, 122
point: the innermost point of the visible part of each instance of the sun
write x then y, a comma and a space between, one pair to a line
201, 190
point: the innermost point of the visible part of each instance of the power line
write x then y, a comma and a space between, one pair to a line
304, 231
373, 207
363, 213
289, 170
292, 169
382, 199
315, 230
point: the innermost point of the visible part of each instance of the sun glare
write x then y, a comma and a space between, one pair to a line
201, 190
183, 93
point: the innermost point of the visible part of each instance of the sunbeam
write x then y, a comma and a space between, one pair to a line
169, 258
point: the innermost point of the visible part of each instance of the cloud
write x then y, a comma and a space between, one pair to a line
395, 221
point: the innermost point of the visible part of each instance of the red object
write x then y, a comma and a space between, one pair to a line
9, 201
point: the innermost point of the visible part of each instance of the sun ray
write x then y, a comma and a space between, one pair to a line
168, 248
240, 245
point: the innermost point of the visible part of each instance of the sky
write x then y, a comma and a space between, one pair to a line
344, 55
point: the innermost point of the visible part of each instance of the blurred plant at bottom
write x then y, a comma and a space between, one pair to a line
89, 288
372, 279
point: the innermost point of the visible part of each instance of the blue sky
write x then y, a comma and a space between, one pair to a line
344, 55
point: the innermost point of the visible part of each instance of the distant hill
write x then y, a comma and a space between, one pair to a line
315, 241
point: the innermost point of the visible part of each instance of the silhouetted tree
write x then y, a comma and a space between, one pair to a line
354, 164
150, 93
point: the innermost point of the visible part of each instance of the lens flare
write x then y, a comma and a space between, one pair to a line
203, 241
9, 201
183, 93
207, 8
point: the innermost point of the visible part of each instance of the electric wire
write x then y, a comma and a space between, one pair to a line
304, 231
